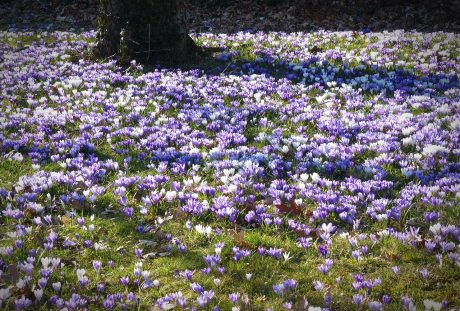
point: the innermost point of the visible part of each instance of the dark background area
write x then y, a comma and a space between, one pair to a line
253, 15
307, 15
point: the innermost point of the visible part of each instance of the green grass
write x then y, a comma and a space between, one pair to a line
120, 234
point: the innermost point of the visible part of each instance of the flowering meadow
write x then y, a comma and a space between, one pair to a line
302, 171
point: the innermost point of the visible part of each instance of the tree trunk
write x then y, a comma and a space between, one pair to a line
148, 31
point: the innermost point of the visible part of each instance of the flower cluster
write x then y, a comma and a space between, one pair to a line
346, 143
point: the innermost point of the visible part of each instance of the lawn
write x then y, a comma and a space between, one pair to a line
301, 171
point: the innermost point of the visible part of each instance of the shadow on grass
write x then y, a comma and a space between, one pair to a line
369, 77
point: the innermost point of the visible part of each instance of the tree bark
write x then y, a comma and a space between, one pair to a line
148, 31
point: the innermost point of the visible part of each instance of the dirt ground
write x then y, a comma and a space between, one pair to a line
263, 15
